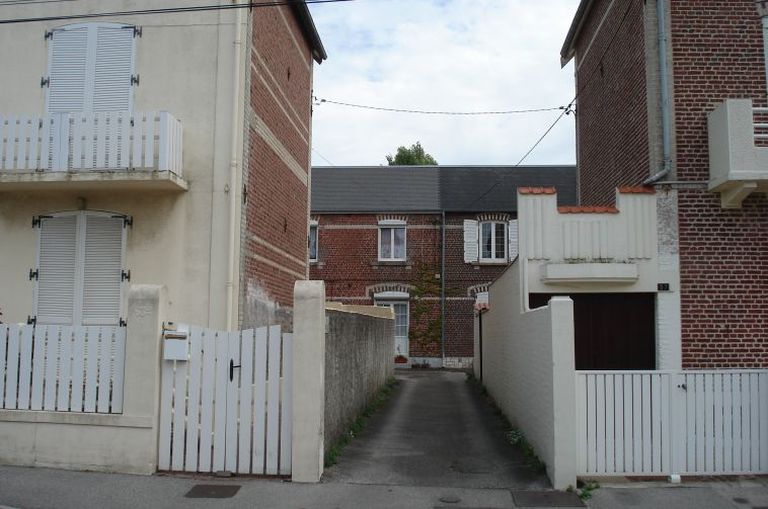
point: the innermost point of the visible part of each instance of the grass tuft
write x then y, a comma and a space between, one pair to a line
357, 426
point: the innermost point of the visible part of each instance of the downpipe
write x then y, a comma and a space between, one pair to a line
661, 14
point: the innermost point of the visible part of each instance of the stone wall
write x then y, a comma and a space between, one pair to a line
358, 361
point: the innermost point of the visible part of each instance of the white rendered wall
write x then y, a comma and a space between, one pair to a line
178, 239
528, 368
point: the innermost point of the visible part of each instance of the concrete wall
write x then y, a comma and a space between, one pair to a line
529, 368
358, 360
113, 443
341, 357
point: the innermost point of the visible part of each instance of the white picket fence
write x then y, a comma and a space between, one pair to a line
113, 140
62, 368
664, 422
227, 407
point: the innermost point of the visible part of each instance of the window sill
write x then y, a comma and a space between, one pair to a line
491, 262
391, 263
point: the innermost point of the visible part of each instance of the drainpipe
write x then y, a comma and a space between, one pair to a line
442, 288
233, 165
661, 14
762, 10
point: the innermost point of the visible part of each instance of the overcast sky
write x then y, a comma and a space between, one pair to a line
458, 55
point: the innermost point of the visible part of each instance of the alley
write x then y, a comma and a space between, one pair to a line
435, 431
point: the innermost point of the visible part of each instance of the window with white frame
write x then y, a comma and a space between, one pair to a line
493, 241
313, 241
80, 269
392, 240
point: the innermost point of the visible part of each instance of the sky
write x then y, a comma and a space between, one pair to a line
455, 55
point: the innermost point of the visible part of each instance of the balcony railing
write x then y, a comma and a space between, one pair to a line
74, 142
738, 151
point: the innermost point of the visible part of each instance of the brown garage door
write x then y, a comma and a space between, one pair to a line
613, 331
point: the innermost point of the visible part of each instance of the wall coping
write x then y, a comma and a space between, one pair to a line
79, 419
373, 311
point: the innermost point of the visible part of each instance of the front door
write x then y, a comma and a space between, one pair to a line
401, 326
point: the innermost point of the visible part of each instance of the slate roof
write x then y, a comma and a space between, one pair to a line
430, 189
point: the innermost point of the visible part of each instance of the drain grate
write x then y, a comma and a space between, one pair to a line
213, 491
546, 499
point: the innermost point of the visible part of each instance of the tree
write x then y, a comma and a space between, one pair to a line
412, 156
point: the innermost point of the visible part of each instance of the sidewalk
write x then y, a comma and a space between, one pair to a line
30, 488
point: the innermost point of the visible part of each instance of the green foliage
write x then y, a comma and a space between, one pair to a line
415, 155
425, 329
585, 492
332, 456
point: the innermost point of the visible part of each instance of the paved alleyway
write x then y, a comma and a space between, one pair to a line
435, 431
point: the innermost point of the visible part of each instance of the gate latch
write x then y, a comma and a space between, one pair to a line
232, 367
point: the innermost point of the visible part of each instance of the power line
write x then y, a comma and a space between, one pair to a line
319, 101
165, 10
323, 157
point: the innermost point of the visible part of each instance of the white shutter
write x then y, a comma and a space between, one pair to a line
513, 236
102, 270
470, 241
57, 270
112, 90
67, 70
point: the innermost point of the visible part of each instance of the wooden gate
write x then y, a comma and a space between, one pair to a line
226, 403
668, 422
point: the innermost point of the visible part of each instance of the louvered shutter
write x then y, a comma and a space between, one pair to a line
68, 70
112, 89
57, 270
102, 270
470, 241
513, 236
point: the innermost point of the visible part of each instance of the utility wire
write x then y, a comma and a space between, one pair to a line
322, 157
165, 10
319, 101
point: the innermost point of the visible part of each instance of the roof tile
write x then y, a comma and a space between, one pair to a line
636, 190
537, 190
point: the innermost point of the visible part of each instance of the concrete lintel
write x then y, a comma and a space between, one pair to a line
617, 273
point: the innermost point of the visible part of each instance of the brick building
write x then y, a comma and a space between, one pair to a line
667, 91
424, 240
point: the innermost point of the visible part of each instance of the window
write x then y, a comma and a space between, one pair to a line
392, 241
313, 241
90, 68
80, 268
493, 241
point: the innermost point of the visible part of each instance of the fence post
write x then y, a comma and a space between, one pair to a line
563, 472
308, 381
142, 359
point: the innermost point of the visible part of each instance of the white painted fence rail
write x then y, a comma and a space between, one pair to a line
113, 140
62, 368
227, 407
663, 422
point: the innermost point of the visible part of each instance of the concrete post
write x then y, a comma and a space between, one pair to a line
563, 471
308, 381
146, 304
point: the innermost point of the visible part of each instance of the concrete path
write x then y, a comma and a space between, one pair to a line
436, 430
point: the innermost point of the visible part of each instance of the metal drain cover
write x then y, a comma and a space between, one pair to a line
213, 491
546, 499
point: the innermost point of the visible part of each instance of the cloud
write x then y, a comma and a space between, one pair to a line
462, 55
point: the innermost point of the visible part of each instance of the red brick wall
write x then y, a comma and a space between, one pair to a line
347, 261
611, 94
275, 214
718, 54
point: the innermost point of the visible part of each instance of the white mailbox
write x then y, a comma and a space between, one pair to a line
175, 344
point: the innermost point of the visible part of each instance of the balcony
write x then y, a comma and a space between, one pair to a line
738, 164
105, 150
